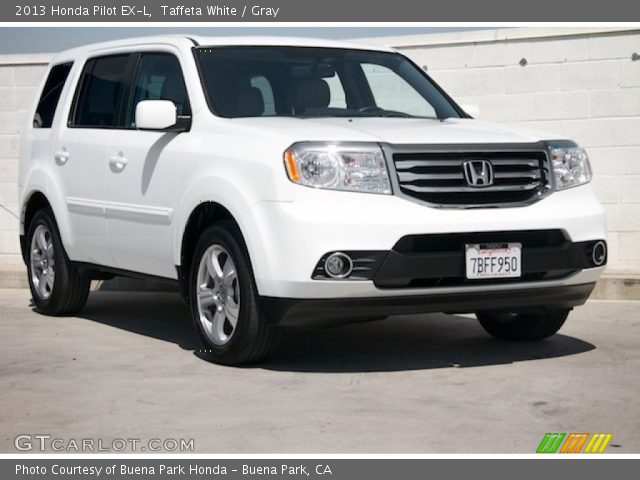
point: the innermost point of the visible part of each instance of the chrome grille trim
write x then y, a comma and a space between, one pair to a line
499, 188
409, 177
433, 174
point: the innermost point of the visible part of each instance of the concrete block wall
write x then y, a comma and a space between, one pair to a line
580, 83
577, 82
19, 79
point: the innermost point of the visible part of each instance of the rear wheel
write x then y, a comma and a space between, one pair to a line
224, 300
522, 326
57, 287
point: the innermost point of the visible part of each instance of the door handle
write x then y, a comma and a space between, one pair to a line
118, 162
61, 157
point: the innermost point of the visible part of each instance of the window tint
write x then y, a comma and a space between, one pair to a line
392, 92
159, 77
46, 108
102, 91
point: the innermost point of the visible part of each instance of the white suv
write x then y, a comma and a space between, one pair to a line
282, 182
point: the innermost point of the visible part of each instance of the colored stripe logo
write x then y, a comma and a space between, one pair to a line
574, 443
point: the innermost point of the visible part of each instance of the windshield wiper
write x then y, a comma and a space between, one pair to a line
390, 114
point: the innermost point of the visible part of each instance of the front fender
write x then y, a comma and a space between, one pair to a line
222, 192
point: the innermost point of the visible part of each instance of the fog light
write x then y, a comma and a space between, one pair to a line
599, 253
338, 265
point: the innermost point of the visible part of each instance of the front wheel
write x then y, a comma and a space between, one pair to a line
522, 326
224, 300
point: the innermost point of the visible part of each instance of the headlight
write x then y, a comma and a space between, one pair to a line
570, 166
358, 167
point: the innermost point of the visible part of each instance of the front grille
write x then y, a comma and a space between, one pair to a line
438, 177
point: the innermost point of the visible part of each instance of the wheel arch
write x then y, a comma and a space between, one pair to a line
34, 202
42, 188
205, 214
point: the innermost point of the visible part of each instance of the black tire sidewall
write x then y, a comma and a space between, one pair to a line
61, 266
523, 327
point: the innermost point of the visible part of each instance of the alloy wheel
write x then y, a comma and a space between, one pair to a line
218, 295
42, 262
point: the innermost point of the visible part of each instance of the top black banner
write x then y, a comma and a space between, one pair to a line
244, 11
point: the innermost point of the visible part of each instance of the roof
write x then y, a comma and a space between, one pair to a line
188, 41
285, 41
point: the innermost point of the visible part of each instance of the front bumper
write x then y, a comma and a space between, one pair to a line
306, 312
438, 260
286, 239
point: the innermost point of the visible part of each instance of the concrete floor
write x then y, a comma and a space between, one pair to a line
128, 367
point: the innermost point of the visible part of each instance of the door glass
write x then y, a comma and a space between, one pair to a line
101, 92
159, 77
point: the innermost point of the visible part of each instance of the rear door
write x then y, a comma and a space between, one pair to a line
80, 153
143, 172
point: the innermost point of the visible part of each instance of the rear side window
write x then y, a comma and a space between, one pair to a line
50, 96
102, 90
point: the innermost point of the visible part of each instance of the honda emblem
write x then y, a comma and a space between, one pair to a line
478, 173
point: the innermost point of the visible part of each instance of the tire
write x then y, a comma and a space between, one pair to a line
227, 294
522, 326
57, 287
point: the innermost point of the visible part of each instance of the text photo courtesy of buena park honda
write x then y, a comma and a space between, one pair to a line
402, 240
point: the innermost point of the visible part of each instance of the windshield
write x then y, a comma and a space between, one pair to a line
317, 82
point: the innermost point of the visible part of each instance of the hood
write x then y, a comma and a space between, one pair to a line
387, 130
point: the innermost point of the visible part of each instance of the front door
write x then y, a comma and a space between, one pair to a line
143, 172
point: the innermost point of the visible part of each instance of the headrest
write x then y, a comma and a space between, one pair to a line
173, 89
310, 93
249, 102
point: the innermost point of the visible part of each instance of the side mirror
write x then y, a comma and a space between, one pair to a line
160, 115
471, 110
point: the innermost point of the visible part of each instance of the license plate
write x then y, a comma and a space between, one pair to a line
493, 261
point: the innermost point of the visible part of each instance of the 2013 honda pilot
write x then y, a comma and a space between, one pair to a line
280, 182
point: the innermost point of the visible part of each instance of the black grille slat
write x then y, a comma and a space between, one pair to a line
438, 177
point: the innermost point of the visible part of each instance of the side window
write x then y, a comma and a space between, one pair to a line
392, 92
262, 83
50, 96
102, 90
158, 77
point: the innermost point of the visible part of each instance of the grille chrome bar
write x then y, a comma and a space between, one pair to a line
535, 175
515, 161
409, 164
500, 188
410, 177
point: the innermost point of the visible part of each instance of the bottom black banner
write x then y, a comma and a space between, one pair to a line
333, 469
